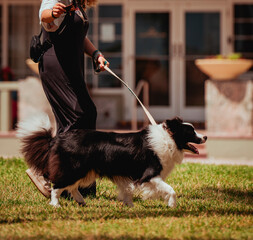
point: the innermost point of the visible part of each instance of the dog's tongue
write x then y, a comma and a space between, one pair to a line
190, 148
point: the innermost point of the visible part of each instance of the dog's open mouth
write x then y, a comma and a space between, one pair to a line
190, 148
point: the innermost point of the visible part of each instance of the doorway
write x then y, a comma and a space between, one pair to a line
164, 43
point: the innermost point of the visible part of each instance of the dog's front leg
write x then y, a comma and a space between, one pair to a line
165, 191
125, 191
55, 195
78, 197
126, 197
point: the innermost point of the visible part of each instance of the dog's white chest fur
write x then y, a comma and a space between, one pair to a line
165, 147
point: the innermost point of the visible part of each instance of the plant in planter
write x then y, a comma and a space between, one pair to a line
221, 67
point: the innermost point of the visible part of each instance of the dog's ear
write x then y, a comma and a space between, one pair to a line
174, 123
177, 119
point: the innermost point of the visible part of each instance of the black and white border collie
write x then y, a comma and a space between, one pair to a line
138, 161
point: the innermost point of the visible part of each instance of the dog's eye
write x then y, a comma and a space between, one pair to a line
190, 131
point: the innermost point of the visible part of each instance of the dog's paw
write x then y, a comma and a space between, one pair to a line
82, 204
56, 205
172, 201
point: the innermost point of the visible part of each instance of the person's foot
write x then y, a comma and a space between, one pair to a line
39, 181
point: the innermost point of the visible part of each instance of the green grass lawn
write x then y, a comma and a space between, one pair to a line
214, 202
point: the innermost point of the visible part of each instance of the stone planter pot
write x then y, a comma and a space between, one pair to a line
223, 69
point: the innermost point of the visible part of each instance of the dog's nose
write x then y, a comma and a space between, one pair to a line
205, 138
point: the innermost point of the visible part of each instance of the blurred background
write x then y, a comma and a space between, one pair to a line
153, 46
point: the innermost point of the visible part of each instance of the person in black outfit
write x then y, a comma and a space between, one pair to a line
62, 70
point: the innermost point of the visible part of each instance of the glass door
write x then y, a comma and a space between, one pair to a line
164, 43
151, 55
202, 35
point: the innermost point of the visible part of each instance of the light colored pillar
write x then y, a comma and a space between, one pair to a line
5, 108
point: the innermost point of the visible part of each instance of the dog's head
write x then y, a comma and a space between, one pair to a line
184, 134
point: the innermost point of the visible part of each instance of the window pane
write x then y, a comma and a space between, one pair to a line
20, 35
115, 63
117, 26
152, 60
155, 72
108, 47
195, 80
110, 11
243, 11
90, 13
244, 46
110, 42
243, 29
202, 33
152, 35
202, 39
106, 80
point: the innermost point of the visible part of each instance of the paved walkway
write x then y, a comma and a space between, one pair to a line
247, 162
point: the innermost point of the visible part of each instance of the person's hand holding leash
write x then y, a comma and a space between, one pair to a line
102, 63
99, 62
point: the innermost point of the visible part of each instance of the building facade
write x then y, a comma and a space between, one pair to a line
156, 41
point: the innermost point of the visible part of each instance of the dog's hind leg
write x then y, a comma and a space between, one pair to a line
78, 197
55, 195
159, 188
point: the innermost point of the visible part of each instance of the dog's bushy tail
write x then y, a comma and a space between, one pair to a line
36, 135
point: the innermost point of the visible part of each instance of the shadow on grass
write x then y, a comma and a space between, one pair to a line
225, 194
90, 237
233, 194
87, 214
90, 215
208, 201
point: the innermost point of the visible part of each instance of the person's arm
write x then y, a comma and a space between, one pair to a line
49, 15
90, 50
